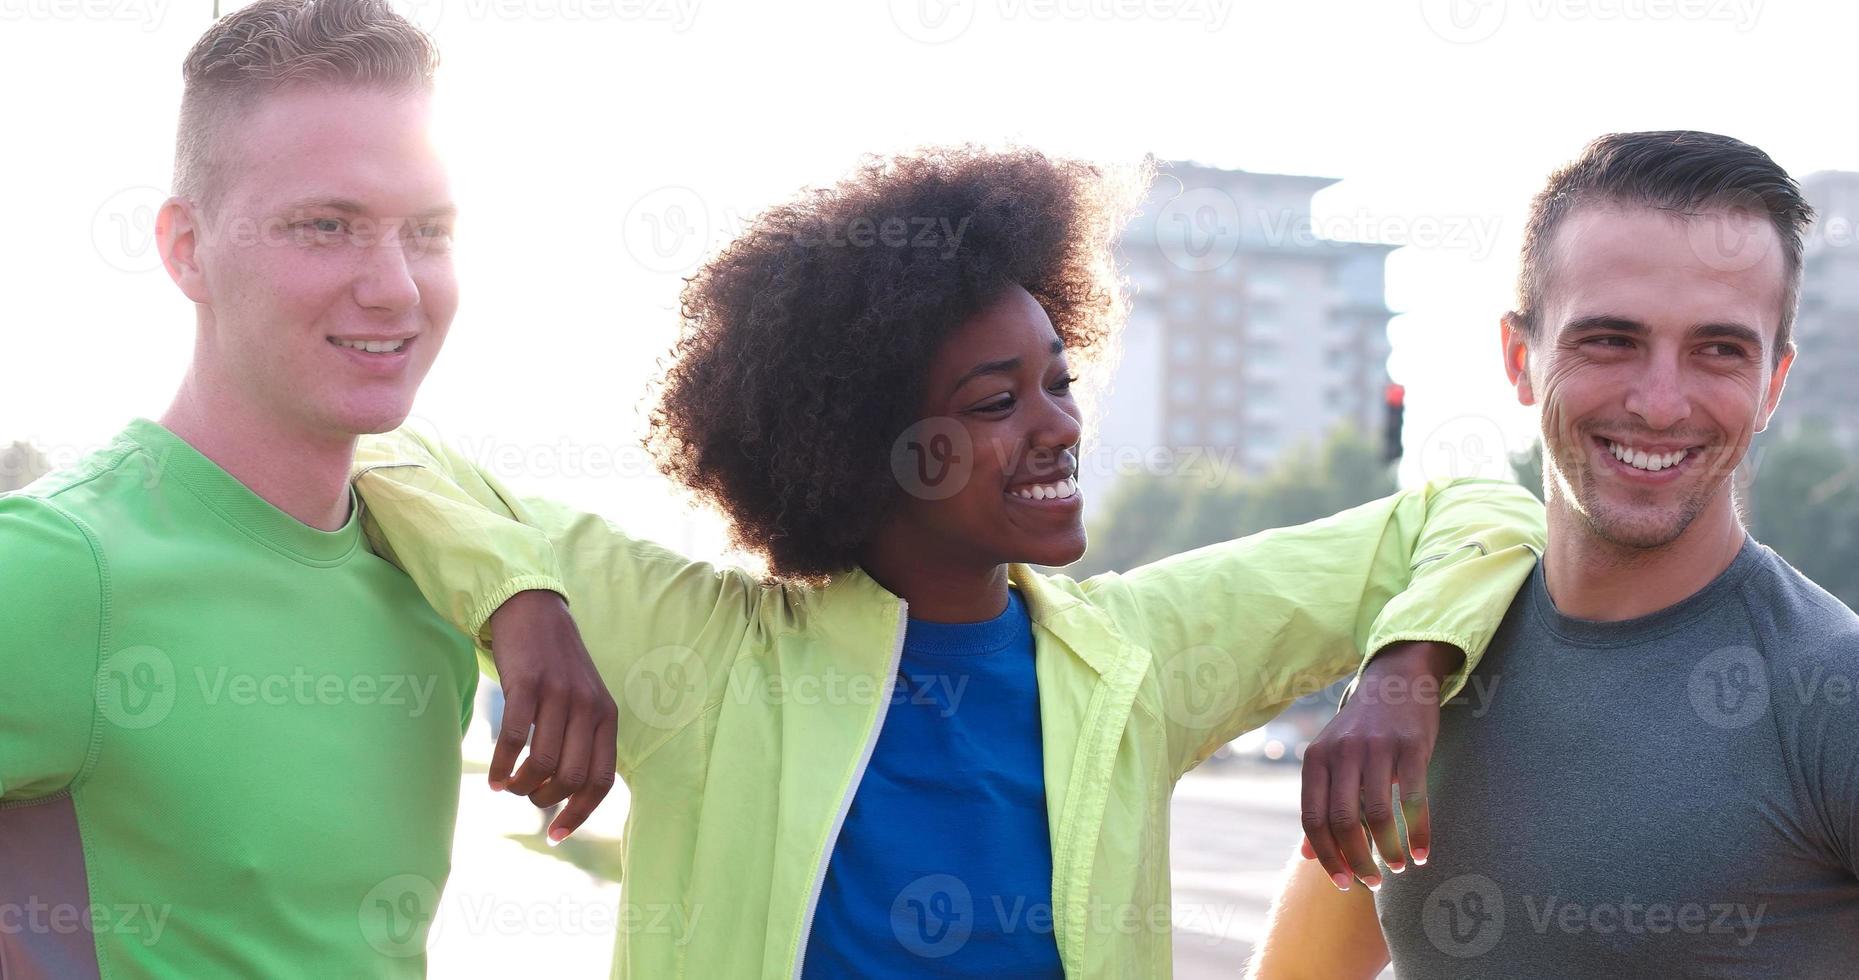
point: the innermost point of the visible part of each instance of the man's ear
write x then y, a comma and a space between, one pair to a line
1516, 342
177, 237
1776, 380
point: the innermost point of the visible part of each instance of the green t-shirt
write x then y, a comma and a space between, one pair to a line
229, 742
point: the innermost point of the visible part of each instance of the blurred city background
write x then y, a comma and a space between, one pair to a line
1319, 273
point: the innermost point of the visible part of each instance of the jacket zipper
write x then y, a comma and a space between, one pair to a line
845, 802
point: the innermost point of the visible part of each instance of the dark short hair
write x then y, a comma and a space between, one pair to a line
1678, 170
806, 343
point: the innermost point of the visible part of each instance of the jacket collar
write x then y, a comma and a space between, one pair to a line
1081, 627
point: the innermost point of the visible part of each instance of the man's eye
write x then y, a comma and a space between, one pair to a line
1612, 341
1724, 350
321, 229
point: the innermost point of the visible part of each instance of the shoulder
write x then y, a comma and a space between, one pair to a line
1800, 624
46, 548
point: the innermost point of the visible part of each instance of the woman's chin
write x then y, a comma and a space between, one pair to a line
1054, 553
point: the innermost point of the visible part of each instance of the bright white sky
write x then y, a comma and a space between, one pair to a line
575, 124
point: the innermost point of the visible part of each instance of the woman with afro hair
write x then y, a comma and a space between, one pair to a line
904, 750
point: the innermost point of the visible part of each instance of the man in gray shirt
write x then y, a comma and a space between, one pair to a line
1654, 771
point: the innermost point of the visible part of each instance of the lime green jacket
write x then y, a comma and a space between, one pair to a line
748, 709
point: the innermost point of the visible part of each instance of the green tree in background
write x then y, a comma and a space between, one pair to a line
1528, 465
1154, 516
1805, 504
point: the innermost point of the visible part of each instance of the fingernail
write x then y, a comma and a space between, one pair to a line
1420, 856
1342, 882
1396, 867
556, 837
1373, 882
497, 785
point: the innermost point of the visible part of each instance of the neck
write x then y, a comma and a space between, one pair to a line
303, 474
1591, 578
938, 591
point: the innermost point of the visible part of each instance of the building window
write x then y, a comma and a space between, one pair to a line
1185, 347
1226, 350
1265, 286
1265, 321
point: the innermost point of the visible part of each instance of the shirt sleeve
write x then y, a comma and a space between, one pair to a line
1238, 630
1816, 700
662, 629
51, 624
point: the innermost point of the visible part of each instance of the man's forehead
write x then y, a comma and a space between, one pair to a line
1625, 253
344, 149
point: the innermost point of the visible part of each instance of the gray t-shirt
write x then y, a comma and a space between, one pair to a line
1670, 796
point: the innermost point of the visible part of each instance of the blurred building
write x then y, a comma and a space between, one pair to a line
1821, 386
20, 464
1250, 332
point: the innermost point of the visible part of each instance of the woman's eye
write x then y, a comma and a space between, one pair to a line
999, 406
1065, 383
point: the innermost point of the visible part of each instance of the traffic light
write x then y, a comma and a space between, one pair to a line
1394, 404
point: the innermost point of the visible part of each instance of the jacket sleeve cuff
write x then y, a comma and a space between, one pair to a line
480, 616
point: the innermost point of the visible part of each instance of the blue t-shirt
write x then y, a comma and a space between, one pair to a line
944, 865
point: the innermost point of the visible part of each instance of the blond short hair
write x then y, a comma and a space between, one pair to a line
275, 44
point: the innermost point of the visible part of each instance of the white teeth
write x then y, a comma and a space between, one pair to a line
1048, 491
1640, 459
371, 346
